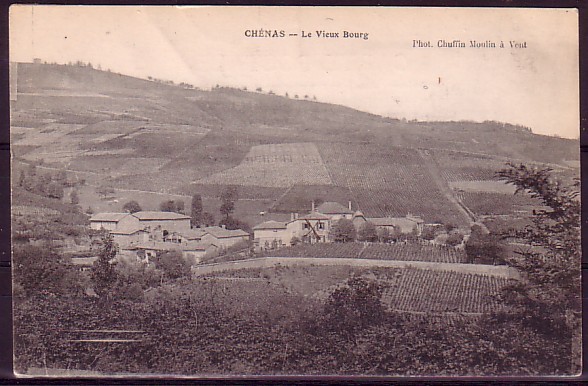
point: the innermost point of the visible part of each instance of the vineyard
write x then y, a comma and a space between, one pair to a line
461, 166
276, 165
485, 203
298, 199
429, 291
388, 181
399, 251
416, 291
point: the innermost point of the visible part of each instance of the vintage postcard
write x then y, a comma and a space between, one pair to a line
274, 191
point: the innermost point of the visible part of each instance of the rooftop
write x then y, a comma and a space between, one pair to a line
220, 233
331, 207
155, 215
313, 216
108, 217
270, 225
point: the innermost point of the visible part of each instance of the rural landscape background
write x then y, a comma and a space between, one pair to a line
489, 287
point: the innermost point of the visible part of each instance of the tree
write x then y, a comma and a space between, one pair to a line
483, 247
367, 232
548, 300
54, 190
196, 210
168, 206
354, 307
233, 223
454, 239
207, 219
428, 233
228, 197
103, 273
172, 264
180, 206
73, 197
132, 207
343, 231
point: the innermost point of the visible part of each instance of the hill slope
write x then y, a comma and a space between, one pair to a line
139, 134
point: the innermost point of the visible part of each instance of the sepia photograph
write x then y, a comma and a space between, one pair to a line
243, 191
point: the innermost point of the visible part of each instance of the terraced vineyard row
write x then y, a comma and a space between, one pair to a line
442, 291
398, 251
459, 166
388, 181
414, 252
321, 250
482, 203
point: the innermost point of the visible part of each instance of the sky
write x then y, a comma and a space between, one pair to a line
385, 74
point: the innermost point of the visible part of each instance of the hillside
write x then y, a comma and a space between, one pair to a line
138, 134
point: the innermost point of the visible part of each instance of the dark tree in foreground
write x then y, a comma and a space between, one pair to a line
103, 274
354, 307
172, 264
132, 207
343, 231
548, 299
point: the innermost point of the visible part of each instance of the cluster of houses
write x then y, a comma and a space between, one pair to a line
145, 234
316, 226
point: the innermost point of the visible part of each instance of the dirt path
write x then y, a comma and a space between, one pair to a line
435, 173
268, 262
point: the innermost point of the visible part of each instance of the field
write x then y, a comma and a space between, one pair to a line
485, 203
278, 165
405, 290
399, 251
298, 199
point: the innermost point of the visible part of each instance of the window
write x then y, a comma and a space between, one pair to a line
321, 225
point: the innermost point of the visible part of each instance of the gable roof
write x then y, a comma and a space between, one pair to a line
108, 217
313, 216
147, 215
331, 207
270, 225
220, 233
193, 234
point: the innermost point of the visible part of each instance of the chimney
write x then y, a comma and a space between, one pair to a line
223, 226
349, 205
292, 216
296, 216
312, 210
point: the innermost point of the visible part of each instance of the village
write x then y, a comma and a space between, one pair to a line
145, 234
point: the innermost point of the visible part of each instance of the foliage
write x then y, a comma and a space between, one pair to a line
207, 219
228, 197
172, 264
548, 302
454, 239
74, 198
132, 207
196, 210
483, 247
429, 232
343, 231
103, 274
354, 307
367, 232
232, 223
176, 206
42, 270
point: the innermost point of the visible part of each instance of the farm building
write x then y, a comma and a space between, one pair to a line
191, 251
271, 234
406, 224
158, 224
223, 237
110, 221
334, 210
316, 226
161, 224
